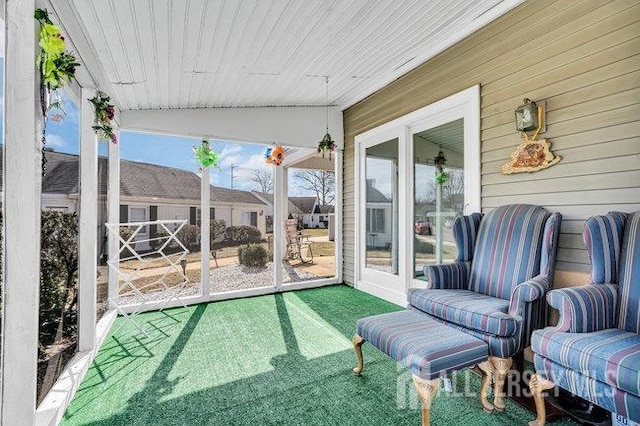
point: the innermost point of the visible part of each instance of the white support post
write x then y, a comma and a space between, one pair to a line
22, 191
439, 224
113, 215
338, 212
397, 221
279, 216
88, 244
407, 237
205, 241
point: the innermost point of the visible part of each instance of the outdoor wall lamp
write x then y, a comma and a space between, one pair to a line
440, 160
528, 116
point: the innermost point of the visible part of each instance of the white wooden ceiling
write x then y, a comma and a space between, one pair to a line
449, 136
151, 54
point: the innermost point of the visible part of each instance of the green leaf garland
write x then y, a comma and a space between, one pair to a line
442, 178
205, 156
55, 64
104, 112
56, 67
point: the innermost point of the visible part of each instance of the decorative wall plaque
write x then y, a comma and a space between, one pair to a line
530, 156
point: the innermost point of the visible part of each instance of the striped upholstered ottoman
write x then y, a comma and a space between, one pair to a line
429, 349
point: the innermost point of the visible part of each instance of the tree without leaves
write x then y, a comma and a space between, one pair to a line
454, 185
319, 181
262, 181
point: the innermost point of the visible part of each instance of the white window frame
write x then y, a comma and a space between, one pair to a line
464, 104
146, 213
146, 216
246, 218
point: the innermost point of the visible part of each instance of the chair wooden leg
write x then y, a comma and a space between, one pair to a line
487, 379
538, 385
357, 345
427, 389
501, 367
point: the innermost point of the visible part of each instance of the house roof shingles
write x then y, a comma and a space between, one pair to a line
326, 209
304, 204
137, 180
375, 196
292, 208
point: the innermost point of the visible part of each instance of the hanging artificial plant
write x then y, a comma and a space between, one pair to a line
274, 156
205, 156
103, 112
56, 67
442, 177
326, 145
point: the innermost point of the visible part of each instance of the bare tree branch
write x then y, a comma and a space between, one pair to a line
319, 181
262, 181
454, 185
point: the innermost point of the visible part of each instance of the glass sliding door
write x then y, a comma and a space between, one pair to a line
414, 176
378, 217
381, 207
439, 193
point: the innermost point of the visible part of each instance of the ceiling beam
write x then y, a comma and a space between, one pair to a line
301, 127
90, 74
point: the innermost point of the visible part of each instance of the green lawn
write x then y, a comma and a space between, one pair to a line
312, 232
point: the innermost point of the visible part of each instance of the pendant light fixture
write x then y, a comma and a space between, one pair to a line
327, 145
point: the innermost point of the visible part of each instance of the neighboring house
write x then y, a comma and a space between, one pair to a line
319, 218
302, 209
307, 210
267, 199
379, 218
311, 213
148, 192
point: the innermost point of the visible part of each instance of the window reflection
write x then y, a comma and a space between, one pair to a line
438, 193
381, 209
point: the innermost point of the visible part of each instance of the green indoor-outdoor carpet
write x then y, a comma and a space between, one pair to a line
282, 359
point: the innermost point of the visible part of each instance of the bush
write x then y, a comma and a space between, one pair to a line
217, 228
58, 276
243, 234
125, 234
162, 237
189, 236
253, 255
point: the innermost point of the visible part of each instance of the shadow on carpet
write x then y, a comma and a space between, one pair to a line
282, 359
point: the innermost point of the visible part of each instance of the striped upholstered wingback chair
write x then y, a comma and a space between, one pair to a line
495, 289
594, 350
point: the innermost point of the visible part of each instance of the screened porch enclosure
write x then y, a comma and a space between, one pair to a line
281, 73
